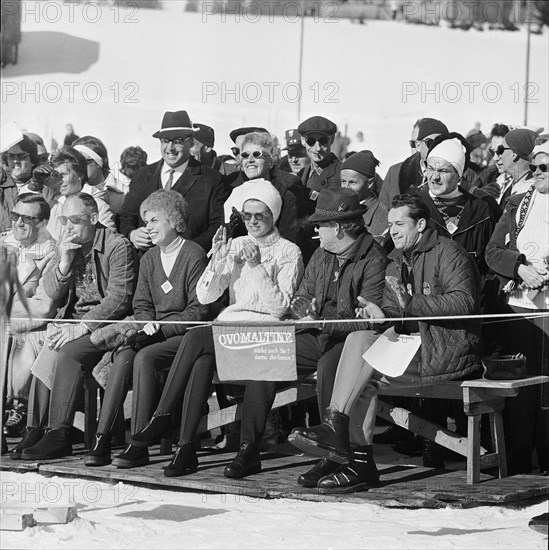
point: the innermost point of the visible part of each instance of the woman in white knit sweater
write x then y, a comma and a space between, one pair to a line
261, 272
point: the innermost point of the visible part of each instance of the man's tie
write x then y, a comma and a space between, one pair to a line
170, 180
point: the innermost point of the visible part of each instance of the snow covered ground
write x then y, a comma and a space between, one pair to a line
122, 516
113, 72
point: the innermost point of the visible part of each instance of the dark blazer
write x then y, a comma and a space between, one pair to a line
199, 185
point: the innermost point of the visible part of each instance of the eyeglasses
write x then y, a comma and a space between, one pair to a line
534, 168
431, 170
176, 141
323, 141
18, 156
235, 151
255, 154
499, 150
247, 216
75, 220
14, 216
428, 142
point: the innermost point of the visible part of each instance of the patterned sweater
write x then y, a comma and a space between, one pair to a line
260, 293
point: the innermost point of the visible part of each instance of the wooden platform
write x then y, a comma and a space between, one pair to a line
403, 482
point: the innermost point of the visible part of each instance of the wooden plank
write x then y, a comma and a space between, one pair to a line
13, 520
505, 384
405, 419
230, 414
484, 407
400, 485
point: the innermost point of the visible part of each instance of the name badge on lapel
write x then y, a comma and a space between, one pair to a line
451, 227
166, 287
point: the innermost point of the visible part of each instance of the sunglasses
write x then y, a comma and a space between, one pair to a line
176, 141
14, 216
323, 141
535, 167
499, 150
18, 156
413, 142
75, 220
255, 154
235, 151
247, 216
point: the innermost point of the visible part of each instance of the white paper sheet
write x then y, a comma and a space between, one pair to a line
9, 136
391, 353
44, 366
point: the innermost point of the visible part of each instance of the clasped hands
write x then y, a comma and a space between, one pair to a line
221, 246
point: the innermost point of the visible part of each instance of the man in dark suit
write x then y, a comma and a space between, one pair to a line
200, 186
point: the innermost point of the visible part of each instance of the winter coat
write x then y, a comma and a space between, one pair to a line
475, 226
114, 269
502, 255
199, 185
446, 283
362, 274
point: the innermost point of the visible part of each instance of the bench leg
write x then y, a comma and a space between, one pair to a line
473, 449
496, 428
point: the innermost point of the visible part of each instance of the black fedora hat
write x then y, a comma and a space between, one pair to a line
337, 204
175, 125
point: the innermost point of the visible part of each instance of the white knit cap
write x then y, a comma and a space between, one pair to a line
264, 191
259, 189
452, 151
543, 148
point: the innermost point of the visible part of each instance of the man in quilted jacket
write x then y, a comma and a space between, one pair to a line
428, 276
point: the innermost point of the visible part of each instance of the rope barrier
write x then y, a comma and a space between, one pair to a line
504, 316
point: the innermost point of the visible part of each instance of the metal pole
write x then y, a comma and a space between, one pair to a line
527, 79
301, 60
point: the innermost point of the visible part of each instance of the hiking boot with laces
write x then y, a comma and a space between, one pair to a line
16, 422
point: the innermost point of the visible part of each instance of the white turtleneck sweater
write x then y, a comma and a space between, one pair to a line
259, 293
168, 254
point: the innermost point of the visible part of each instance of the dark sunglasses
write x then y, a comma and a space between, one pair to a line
413, 142
247, 216
18, 156
14, 216
255, 154
499, 150
535, 167
235, 151
75, 220
323, 141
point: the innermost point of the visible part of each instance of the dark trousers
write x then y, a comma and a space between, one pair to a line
190, 377
73, 361
526, 416
313, 351
148, 363
39, 404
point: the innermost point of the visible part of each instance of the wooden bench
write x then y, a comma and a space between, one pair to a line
479, 397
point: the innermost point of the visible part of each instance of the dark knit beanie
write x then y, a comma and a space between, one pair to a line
521, 141
428, 126
362, 162
476, 138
